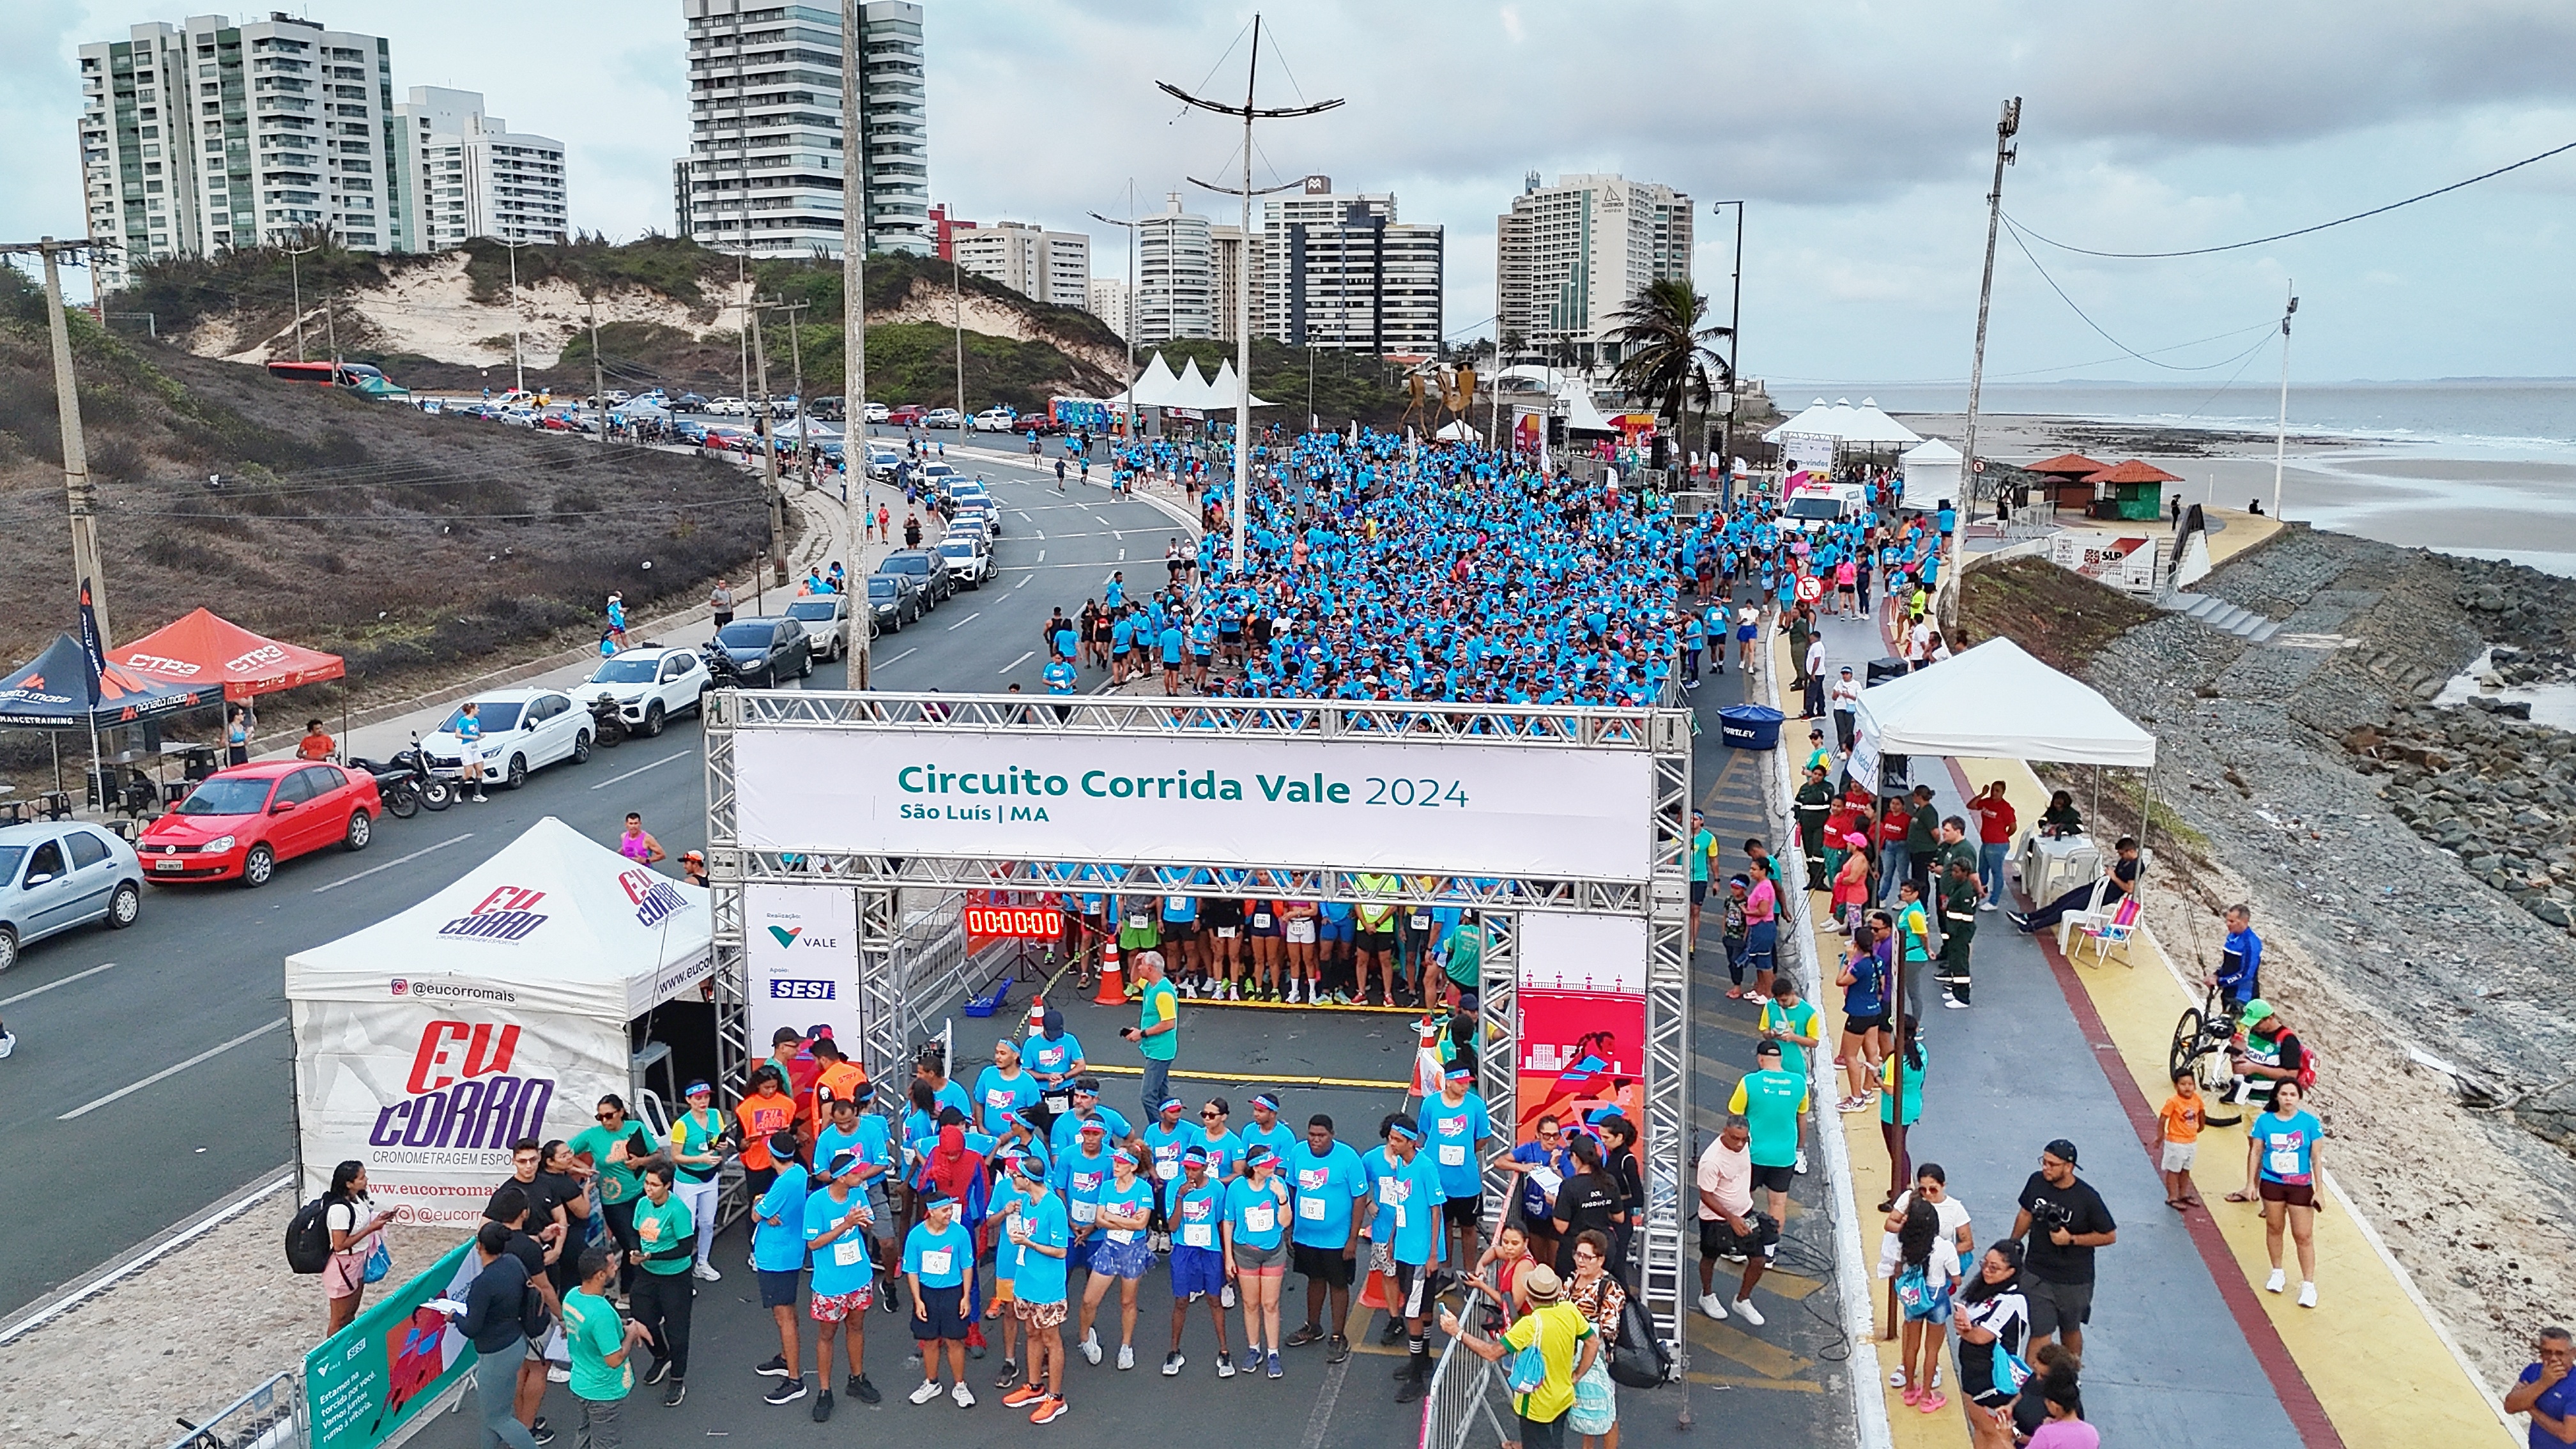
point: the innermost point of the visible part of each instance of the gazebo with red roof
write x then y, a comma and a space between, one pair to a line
2066, 474
2138, 489
202, 647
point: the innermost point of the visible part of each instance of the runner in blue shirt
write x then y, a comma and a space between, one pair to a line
778, 1258
1170, 642
1266, 1130
1003, 1089
1194, 1206
865, 1138
1054, 1057
1038, 1234
1059, 677
1224, 1149
1080, 1175
1405, 1242
1326, 1181
937, 1255
836, 1235
1256, 1239
1126, 1206
1086, 1108
1165, 1140
1459, 1129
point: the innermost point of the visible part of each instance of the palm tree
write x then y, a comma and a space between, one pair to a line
1664, 356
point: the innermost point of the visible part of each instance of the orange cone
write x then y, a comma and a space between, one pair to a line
1371, 1294
1037, 1016
1113, 987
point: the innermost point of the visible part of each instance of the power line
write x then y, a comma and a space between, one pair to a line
2024, 248
2305, 230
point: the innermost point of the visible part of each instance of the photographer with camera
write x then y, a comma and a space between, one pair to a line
2063, 1220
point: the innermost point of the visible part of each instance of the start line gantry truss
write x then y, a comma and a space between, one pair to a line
902, 988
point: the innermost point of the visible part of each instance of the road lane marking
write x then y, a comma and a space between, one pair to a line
898, 659
77, 975
969, 619
1024, 581
640, 769
397, 860
173, 1070
1023, 659
1041, 555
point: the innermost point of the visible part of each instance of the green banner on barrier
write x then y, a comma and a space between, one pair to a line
393, 1359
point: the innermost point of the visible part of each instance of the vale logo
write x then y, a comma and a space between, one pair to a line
786, 935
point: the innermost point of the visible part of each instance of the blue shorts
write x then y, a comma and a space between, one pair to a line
1196, 1271
778, 1289
943, 1314
1745, 631
1344, 930
1078, 1255
1122, 1260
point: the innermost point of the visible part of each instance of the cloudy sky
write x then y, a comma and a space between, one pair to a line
1860, 134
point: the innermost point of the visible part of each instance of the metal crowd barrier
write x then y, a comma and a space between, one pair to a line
271, 1416
1466, 1391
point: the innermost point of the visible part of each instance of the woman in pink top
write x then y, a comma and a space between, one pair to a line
1761, 931
1846, 588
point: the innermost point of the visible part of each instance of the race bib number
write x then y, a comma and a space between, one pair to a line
1453, 1154
1260, 1218
1166, 1169
1059, 1103
1421, 921
1086, 1212
1311, 1209
934, 1263
1198, 1235
850, 1253
1139, 921
1124, 1235
1399, 1217
2283, 1161
1176, 903
1261, 920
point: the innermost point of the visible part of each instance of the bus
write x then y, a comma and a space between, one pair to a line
358, 375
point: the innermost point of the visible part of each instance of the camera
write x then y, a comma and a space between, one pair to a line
2048, 1217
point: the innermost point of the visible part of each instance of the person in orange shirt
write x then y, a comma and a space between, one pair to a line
2181, 1117
766, 1111
316, 744
838, 1079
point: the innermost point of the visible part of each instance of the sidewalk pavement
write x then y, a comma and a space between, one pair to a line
2052, 1050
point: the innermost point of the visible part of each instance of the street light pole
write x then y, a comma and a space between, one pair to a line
2281, 437
80, 495
2005, 152
518, 318
1129, 329
854, 330
1725, 465
295, 279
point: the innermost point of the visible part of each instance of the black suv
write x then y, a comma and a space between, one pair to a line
927, 573
764, 651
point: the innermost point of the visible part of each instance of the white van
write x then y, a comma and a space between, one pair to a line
1820, 504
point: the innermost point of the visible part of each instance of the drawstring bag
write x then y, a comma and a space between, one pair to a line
379, 1263
2011, 1370
1922, 1302
1529, 1370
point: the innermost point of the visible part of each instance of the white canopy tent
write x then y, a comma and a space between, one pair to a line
1869, 425
1931, 474
495, 1009
1153, 387
1224, 389
1820, 418
1191, 389
1582, 415
1996, 700
1456, 432
1863, 426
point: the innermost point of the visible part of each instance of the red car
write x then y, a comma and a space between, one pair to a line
907, 416
239, 823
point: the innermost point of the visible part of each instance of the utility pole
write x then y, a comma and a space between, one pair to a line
295, 279
79, 494
957, 322
1724, 467
2281, 438
854, 329
769, 460
796, 356
1130, 329
1243, 268
518, 319
598, 373
2005, 152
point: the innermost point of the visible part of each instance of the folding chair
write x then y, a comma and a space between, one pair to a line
2105, 934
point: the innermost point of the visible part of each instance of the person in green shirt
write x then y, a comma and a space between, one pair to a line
697, 1151
1157, 1032
600, 1342
1922, 839
664, 1294
1771, 1101
1466, 957
1815, 802
1703, 856
1913, 945
1958, 928
1376, 941
616, 1147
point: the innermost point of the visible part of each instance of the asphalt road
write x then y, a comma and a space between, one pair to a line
152, 1074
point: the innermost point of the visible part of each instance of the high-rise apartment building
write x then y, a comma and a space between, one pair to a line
1049, 266
1175, 274
1338, 270
1569, 257
1227, 257
1111, 303
470, 175
208, 135
763, 173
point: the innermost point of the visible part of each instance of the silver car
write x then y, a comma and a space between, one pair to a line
60, 875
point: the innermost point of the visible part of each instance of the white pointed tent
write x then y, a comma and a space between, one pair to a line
1224, 389
1820, 418
495, 1009
1191, 389
1582, 415
1931, 474
1153, 387
1456, 432
1868, 424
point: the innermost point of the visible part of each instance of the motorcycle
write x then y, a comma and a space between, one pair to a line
608, 725
720, 667
405, 784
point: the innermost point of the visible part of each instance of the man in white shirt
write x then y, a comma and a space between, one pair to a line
1728, 1225
1813, 702
1844, 697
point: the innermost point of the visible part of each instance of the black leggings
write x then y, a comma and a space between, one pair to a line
621, 1227
662, 1302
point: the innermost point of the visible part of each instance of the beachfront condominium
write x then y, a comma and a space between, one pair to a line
1569, 257
1175, 274
207, 135
1047, 266
763, 173
470, 175
1340, 271
1111, 302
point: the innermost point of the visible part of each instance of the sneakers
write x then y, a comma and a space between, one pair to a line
788, 1391
1953, 1002
1172, 1364
1744, 1310
1852, 1104
1225, 1365
1091, 1346
2276, 1282
962, 1396
1336, 1349
1988, 906
1049, 1410
1010, 1373
559, 1374
1023, 1396
1802, 1162
1392, 1334
1306, 1333
1126, 1357
1414, 1385
1715, 1307
705, 1272
1275, 1371
2307, 1295
541, 1431
1225, 1298
660, 1370
928, 1390
776, 1368
864, 1391
823, 1406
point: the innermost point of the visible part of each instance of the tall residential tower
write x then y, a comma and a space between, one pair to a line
1569, 256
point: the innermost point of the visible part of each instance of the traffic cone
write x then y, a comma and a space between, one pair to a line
1037, 1017
1371, 1294
1113, 990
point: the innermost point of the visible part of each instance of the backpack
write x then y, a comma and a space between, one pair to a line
1638, 1359
1529, 1370
308, 1237
1922, 1302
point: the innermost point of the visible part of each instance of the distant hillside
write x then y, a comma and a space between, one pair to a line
418, 546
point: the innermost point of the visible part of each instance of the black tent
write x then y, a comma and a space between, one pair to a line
64, 689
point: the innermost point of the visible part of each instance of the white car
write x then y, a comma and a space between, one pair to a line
982, 512
942, 418
730, 407
996, 420
522, 730
826, 618
967, 560
937, 476
876, 412
882, 460
651, 684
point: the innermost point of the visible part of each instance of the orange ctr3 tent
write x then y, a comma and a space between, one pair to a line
202, 649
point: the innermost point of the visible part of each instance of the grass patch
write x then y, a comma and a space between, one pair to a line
2060, 616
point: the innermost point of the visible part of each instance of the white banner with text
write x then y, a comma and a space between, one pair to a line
800, 950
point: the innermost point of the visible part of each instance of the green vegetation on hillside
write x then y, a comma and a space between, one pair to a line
2060, 616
